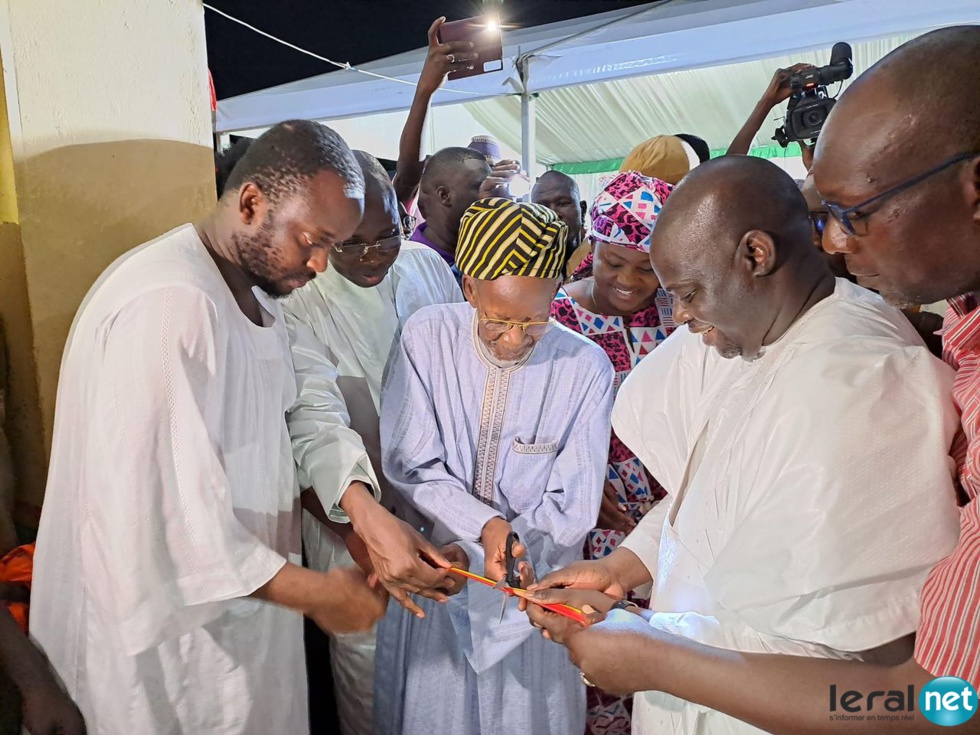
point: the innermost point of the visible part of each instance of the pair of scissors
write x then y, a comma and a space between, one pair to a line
510, 585
512, 579
566, 611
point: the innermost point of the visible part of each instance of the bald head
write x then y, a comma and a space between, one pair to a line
733, 244
559, 193
557, 180
913, 111
934, 90
722, 199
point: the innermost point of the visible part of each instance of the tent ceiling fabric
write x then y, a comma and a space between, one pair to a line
605, 120
663, 37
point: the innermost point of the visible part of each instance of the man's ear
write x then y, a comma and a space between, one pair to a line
253, 206
469, 290
444, 195
757, 251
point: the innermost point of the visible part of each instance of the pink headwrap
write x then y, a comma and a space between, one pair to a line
626, 210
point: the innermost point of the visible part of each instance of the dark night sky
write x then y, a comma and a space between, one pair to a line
347, 30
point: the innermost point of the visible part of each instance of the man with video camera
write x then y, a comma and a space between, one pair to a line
805, 86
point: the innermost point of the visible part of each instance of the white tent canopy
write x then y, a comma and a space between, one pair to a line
605, 120
660, 37
704, 79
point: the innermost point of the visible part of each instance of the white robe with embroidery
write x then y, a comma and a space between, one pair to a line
341, 336
171, 496
810, 490
466, 440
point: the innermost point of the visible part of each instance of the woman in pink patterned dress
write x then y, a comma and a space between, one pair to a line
615, 299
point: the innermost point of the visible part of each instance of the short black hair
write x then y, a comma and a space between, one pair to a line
225, 162
374, 172
699, 145
443, 162
292, 152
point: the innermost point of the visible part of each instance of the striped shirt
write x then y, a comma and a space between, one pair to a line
948, 641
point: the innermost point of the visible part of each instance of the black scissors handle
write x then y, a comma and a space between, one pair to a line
513, 574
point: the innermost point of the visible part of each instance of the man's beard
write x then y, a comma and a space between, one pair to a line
900, 300
729, 350
904, 304
258, 258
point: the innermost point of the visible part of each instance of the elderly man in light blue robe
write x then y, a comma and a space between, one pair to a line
493, 420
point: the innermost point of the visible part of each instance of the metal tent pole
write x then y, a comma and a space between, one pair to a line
528, 147
528, 119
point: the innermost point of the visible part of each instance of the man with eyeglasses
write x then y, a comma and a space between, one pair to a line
345, 321
781, 466
907, 202
491, 423
926, 323
898, 138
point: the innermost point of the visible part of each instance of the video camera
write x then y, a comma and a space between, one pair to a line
810, 104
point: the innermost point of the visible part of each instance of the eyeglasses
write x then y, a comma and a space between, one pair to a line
819, 220
500, 327
359, 250
845, 216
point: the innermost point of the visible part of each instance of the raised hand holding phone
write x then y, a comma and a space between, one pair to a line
484, 35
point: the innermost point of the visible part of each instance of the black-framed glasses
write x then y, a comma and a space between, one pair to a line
385, 246
844, 215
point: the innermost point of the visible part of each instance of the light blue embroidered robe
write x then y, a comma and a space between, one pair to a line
465, 440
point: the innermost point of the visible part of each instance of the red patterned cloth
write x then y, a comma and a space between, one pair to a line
948, 641
17, 567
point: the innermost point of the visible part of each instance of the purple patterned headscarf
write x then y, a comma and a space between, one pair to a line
487, 146
626, 210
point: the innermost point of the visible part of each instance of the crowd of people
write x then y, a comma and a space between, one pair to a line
702, 411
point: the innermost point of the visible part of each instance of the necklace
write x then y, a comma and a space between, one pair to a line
624, 317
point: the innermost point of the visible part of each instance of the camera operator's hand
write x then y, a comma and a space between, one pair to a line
779, 88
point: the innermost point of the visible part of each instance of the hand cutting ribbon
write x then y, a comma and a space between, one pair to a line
564, 610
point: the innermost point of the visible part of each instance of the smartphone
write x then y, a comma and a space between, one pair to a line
485, 37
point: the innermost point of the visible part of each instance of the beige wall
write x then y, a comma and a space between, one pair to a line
109, 136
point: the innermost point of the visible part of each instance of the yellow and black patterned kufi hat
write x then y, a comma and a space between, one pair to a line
500, 237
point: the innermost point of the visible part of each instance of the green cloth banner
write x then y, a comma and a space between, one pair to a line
612, 164
588, 167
